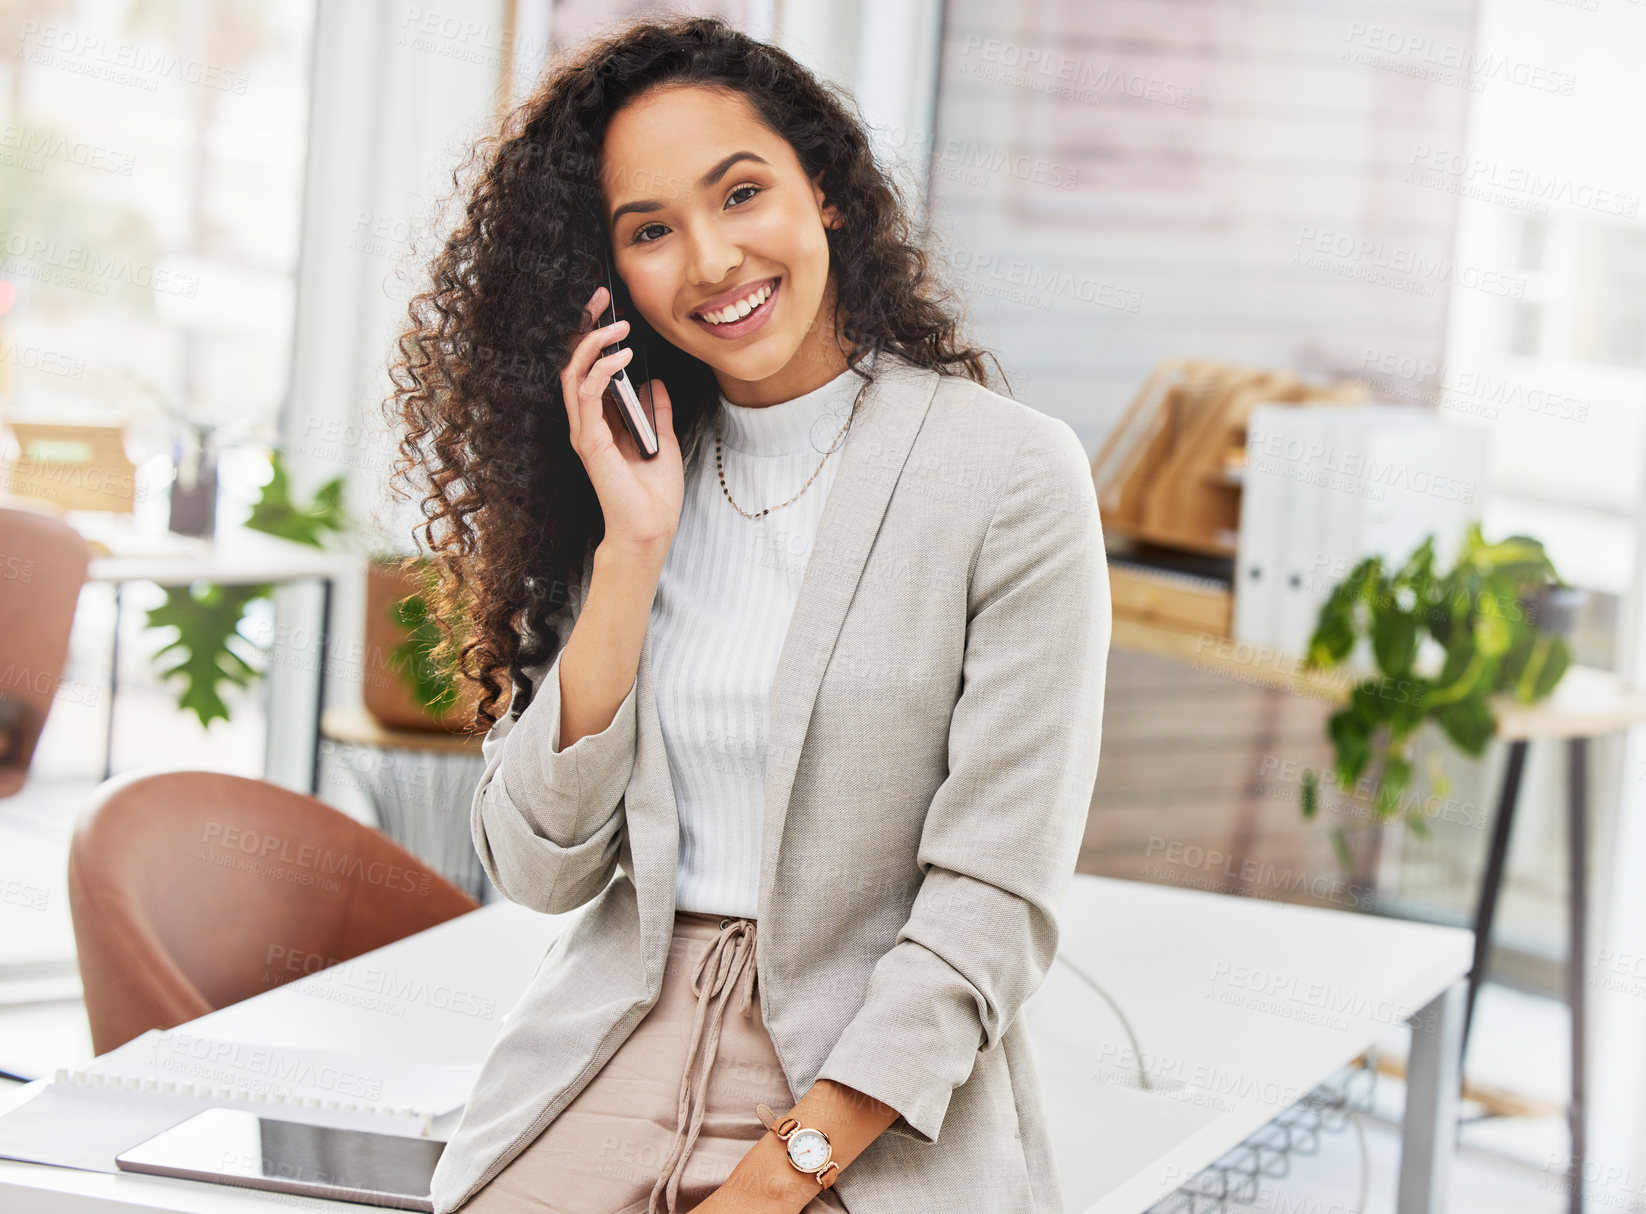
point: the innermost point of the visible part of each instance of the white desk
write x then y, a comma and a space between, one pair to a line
234, 557
1247, 1005
1172, 958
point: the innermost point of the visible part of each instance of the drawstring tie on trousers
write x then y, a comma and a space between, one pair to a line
728, 963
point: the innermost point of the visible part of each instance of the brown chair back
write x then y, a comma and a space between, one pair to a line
42, 567
193, 890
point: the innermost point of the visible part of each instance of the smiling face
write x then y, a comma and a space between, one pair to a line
709, 210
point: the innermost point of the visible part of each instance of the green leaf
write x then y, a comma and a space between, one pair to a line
1527, 652
1519, 557
1493, 635
1311, 792
1351, 735
1397, 776
1420, 562
431, 685
1476, 612
277, 514
1394, 642
1340, 846
209, 648
1554, 668
1336, 629
1469, 723
1410, 707
1333, 638
1370, 703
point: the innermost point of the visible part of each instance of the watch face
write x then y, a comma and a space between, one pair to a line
809, 1150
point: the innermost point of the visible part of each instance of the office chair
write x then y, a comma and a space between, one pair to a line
192, 890
43, 564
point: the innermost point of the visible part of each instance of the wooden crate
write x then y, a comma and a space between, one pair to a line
1167, 599
1169, 472
72, 467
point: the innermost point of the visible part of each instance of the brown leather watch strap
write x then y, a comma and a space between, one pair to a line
787, 1126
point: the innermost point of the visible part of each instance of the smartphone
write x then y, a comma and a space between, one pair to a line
637, 415
239, 1147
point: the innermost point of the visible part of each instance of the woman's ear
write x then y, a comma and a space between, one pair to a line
831, 216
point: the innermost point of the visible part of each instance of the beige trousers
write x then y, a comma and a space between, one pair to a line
663, 1123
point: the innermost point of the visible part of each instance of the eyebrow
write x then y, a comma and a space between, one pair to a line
708, 179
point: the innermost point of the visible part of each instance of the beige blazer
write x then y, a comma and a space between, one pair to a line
933, 746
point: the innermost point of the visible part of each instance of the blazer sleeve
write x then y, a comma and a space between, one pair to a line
1001, 838
547, 823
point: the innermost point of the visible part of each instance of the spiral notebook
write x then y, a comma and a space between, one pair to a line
84, 1116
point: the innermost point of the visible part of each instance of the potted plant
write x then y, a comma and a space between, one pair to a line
401, 686
209, 648
1443, 645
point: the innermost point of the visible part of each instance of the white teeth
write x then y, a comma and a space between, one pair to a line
740, 309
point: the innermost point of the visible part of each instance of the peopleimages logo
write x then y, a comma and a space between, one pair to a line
1323, 460
1421, 54
968, 154
1045, 282
121, 62
272, 854
1535, 184
1077, 79
239, 1064
1376, 260
77, 259
1463, 390
39, 473
38, 144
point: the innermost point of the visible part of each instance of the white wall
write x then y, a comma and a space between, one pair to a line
1126, 181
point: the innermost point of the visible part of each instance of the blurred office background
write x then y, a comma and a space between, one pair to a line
212, 214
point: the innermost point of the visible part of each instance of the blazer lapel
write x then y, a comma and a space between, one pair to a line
876, 448
872, 458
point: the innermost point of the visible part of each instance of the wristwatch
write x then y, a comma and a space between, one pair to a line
809, 1148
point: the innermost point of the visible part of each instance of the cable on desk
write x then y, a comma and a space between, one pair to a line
1137, 1050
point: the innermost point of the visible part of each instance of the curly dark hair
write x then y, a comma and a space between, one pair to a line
510, 514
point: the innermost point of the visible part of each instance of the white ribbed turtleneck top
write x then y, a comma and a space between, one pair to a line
724, 599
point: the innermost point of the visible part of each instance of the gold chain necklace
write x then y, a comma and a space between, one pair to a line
720, 467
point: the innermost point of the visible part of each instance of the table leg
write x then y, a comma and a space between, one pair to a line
1491, 884
1429, 1134
320, 681
114, 684
1577, 774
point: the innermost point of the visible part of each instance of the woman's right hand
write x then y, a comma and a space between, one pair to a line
640, 498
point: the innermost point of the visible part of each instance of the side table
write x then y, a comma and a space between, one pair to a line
420, 784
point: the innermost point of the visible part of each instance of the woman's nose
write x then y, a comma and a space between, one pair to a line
712, 260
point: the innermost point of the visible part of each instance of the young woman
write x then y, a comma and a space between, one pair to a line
804, 711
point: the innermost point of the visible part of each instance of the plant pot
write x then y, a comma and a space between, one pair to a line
388, 694
193, 509
1553, 609
1366, 836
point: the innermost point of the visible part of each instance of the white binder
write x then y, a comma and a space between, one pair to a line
1262, 508
1331, 484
